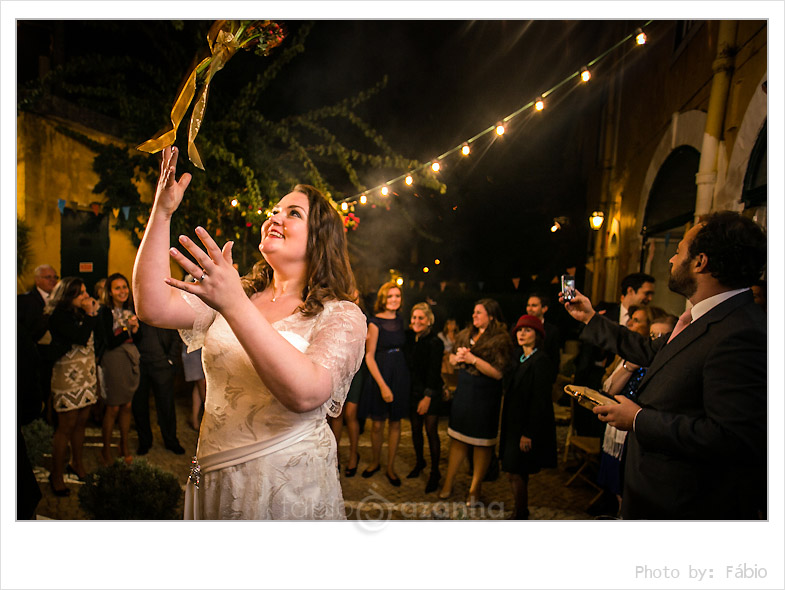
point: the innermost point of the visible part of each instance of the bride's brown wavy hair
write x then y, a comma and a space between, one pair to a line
328, 272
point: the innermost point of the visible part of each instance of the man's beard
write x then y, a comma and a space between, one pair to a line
681, 281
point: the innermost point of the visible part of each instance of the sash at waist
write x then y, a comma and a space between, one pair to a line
230, 457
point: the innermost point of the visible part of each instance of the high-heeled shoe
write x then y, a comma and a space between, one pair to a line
351, 471
418, 467
473, 501
369, 472
59, 493
433, 482
73, 472
395, 481
445, 495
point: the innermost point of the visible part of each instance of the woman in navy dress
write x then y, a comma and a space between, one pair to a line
482, 352
386, 393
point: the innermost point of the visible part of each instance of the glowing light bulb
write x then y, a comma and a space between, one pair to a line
539, 104
344, 207
409, 180
385, 191
596, 219
268, 213
437, 262
363, 200
585, 75
399, 281
235, 202
466, 150
426, 269
436, 166
640, 38
258, 211
499, 129
555, 227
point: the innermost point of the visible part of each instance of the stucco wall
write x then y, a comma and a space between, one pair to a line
52, 166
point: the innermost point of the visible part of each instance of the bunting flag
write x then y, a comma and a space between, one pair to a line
481, 284
515, 282
443, 285
126, 211
61, 205
115, 211
96, 208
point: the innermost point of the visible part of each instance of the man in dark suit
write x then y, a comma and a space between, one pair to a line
636, 289
32, 384
697, 442
537, 305
159, 351
31, 326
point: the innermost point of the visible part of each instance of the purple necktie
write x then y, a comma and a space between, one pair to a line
683, 322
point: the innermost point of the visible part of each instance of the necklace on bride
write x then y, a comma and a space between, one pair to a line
274, 297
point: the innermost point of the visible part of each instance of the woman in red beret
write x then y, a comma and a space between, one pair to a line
528, 430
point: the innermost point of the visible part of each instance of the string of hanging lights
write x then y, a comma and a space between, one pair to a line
464, 148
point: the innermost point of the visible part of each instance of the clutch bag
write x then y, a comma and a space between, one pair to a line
588, 397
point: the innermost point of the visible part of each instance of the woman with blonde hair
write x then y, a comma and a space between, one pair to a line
482, 353
279, 347
424, 351
72, 323
386, 394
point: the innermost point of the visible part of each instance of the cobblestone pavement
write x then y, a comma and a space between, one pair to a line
372, 499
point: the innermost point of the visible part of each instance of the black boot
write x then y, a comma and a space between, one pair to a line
418, 467
433, 481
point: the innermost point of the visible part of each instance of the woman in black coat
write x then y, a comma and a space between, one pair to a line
528, 430
424, 351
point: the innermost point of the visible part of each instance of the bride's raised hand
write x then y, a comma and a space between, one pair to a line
169, 192
217, 281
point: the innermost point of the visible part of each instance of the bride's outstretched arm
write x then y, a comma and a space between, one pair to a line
156, 302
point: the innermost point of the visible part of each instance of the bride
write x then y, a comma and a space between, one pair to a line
279, 346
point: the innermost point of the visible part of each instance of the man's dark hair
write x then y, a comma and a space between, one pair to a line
544, 301
735, 247
635, 280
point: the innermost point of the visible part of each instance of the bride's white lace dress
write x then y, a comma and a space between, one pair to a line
256, 459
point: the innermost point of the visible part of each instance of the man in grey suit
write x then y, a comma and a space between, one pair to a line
697, 442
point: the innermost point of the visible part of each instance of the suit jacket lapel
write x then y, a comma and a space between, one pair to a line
693, 332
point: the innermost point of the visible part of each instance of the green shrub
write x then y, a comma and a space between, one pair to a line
38, 439
138, 491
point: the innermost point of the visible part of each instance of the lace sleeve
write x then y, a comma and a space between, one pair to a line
338, 344
194, 338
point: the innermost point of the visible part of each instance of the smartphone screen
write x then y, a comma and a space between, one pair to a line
568, 287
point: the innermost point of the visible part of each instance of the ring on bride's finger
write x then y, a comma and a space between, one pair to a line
201, 278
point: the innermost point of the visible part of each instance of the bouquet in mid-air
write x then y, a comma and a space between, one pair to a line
225, 38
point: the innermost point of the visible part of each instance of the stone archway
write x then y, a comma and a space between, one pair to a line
729, 194
686, 129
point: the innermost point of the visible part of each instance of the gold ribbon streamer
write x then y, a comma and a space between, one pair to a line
225, 38
223, 45
185, 95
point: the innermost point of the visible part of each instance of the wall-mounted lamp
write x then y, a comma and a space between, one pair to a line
596, 219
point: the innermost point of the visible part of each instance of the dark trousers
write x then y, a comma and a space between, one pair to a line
161, 381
